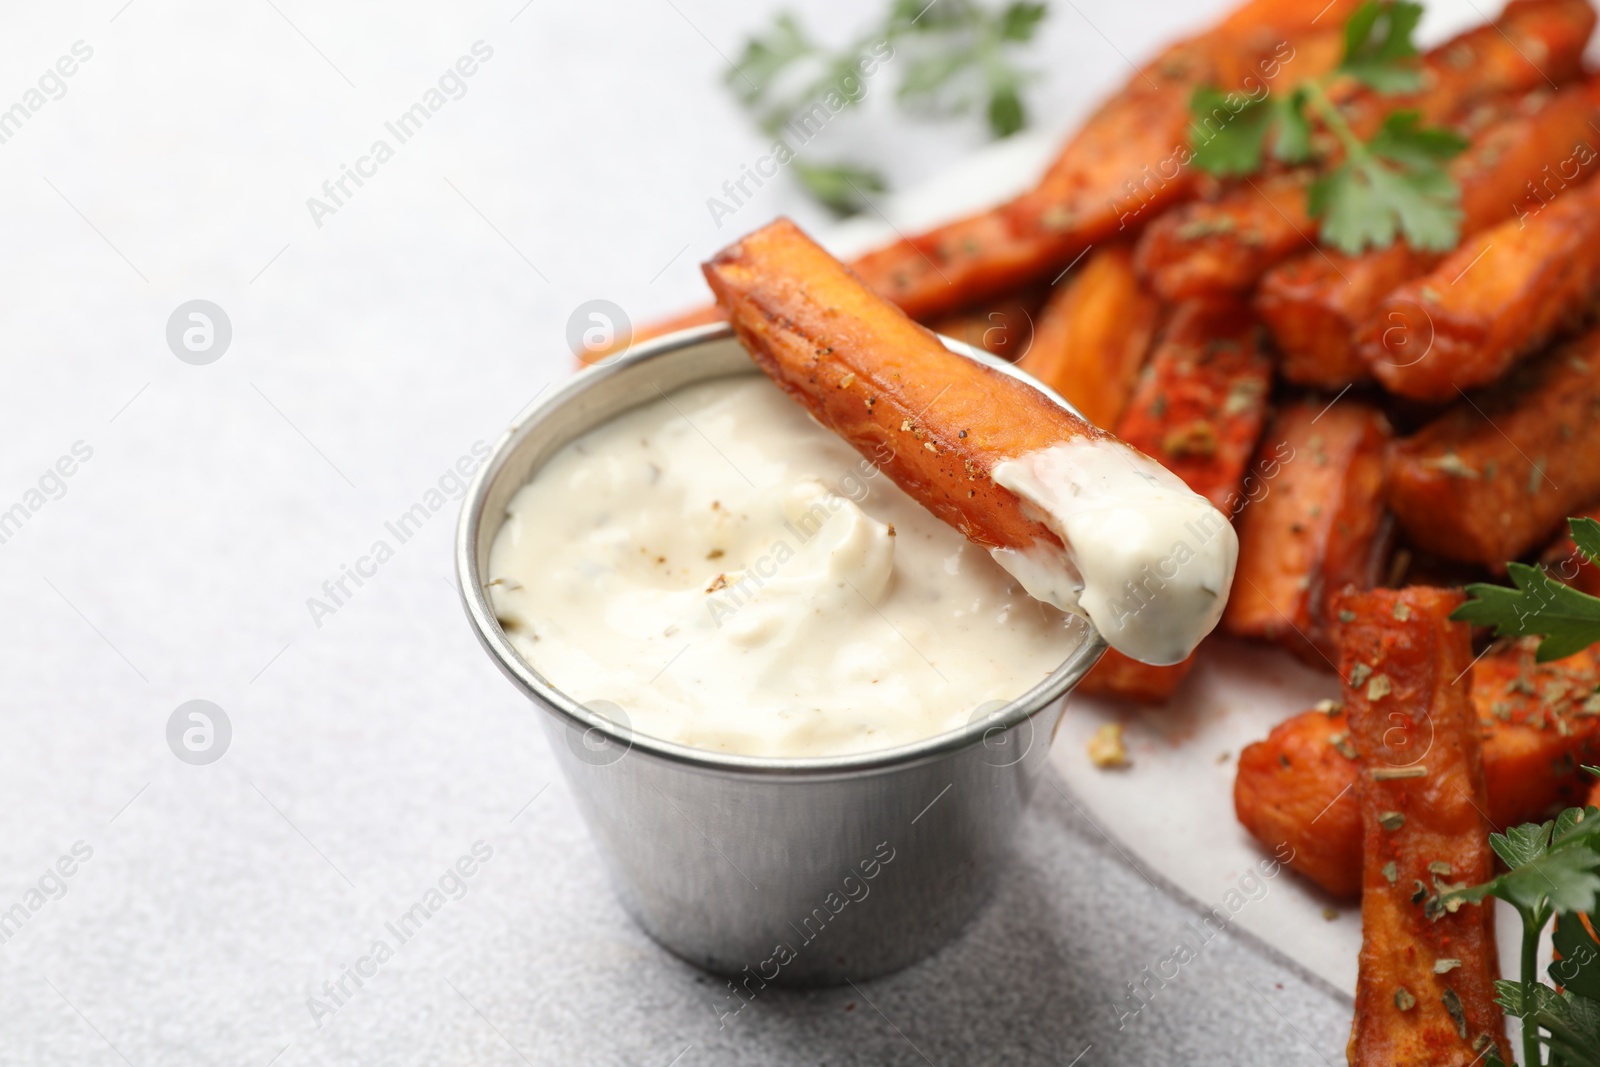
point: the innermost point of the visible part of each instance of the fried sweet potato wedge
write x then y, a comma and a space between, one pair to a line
1004, 327
1093, 335
1311, 523
887, 385
938, 274
1296, 789
1425, 992
1223, 246
966, 261
1496, 474
1201, 401
1125, 678
1495, 300
1316, 302
1538, 724
1198, 410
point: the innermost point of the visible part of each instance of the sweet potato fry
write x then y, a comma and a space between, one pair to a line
1315, 302
1201, 401
964, 262
887, 385
1198, 410
1565, 563
1311, 523
1093, 335
1296, 788
1496, 474
1126, 678
1005, 327
1222, 246
1494, 300
1426, 992
1538, 727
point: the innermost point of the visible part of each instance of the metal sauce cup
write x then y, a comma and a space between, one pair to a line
784, 871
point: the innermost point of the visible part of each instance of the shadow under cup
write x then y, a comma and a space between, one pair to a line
787, 871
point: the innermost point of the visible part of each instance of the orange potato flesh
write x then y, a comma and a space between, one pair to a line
1311, 523
1295, 788
963, 262
1496, 474
1198, 411
1315, 302
1093, 335
1495, 300
1221, 247
1005, 327
1202, 399
1125, 678
935, 422
1425, 992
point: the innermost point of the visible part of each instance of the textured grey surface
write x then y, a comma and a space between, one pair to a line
372, 750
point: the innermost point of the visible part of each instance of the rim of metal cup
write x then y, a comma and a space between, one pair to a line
486, 626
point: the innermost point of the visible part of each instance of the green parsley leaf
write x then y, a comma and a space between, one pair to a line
1574, 1026
1554, 871
952, 56
1293, 143
1352, 211
1229, 132
839, 186
1369, 192
1586, 535
766, 57
1401, 139
1377, 42
1367, 200
1554, 865
1019, 21
1006, 115
1568, 620
1578, 969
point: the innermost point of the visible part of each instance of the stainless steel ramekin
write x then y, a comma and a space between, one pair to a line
784, 871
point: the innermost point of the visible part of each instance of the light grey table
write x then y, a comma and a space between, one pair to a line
373, 342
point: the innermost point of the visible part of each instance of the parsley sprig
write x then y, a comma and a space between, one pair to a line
1568, 620
952, 55
1553, 873
1366, 191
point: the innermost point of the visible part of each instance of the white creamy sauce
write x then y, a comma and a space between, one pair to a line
1148, 560
736, 578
